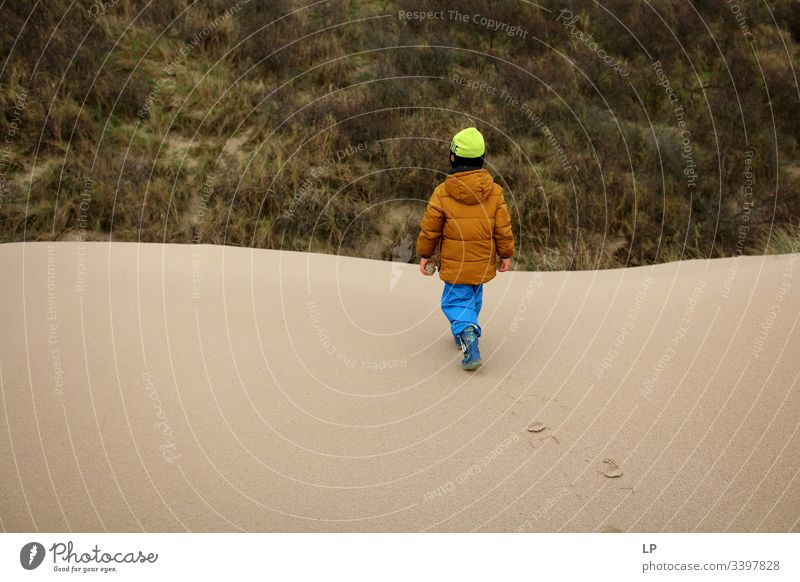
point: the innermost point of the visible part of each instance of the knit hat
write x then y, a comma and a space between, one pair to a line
468, 143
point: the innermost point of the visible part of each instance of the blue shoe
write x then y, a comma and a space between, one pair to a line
469, 346
458, 341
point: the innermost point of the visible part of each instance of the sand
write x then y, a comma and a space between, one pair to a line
174, 387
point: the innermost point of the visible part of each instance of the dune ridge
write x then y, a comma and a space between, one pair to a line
150, 387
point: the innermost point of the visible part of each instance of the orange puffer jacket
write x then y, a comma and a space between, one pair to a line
468, 223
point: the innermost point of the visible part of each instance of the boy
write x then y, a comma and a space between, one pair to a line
468, 223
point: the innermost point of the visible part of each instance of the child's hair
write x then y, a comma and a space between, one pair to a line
458, 161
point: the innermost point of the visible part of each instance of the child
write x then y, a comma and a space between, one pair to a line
468, 224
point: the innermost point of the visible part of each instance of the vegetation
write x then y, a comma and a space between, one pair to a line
625, 133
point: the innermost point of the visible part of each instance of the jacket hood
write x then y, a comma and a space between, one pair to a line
471, 187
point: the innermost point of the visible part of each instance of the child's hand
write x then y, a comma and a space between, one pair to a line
423, 267
505, 265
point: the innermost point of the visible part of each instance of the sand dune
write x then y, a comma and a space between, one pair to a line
173, 387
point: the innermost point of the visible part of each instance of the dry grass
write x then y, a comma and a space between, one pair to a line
262, 100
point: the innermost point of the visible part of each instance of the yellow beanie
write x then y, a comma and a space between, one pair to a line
468, 143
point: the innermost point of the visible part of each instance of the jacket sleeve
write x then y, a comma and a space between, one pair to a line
431, 227
503, 233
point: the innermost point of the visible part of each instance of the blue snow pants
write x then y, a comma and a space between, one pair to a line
461, 305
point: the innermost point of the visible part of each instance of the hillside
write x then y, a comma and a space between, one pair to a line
624, 133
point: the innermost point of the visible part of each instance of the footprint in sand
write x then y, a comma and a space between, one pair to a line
610, 468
